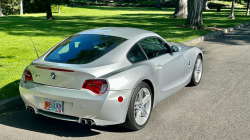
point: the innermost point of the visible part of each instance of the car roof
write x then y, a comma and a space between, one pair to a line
124, 32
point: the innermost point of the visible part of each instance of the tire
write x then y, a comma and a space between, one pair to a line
197, 72
136, 106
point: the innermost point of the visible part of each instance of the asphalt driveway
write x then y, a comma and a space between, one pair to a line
219, 108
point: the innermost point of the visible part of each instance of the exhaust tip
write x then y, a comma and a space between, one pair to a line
83, 121
30, 109
87, 122
90, 122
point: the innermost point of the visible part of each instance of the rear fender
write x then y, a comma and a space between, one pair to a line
128, 79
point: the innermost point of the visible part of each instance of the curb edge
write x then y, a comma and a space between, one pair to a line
214, 34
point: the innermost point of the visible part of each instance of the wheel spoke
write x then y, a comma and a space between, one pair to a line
198, 63
195, 73
197, 77
144, 112
146, 99
137, 103
140, 95
138, 116
136, 107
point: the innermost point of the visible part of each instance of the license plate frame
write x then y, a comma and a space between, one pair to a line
53, 105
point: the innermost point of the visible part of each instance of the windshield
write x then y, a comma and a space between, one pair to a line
83, 48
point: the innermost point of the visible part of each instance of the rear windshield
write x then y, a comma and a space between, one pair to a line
83, 48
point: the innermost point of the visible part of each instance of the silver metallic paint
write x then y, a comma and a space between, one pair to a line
167, 73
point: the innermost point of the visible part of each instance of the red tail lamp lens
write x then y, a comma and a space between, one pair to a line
27, 76
96, 86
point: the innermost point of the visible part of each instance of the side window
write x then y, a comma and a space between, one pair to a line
136, 54
153, 47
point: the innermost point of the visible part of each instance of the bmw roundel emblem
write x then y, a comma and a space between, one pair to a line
53, 75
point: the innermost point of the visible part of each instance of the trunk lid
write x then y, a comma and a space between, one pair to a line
59, 76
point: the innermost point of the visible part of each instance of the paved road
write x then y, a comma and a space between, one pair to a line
219, 108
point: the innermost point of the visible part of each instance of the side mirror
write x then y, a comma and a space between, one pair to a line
175, 48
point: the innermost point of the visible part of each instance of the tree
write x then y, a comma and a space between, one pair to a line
158, 4
48, 10
1, 10
195, 13
232, 11
248, 4
205, 7
48, 6
180, 9
21, 7
59, 10
12, 4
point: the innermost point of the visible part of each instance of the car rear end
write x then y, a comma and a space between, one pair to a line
60, 86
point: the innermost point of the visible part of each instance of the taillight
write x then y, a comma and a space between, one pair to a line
97, 86
27, 76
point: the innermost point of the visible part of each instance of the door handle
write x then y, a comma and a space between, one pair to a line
158, 67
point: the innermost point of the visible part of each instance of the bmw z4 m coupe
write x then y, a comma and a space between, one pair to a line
108, 76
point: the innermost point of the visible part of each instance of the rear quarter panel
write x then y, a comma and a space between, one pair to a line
129, 77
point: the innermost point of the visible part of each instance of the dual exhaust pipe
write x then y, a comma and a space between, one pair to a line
30, 109
87, 122
82, 121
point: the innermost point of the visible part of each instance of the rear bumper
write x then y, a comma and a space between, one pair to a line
103, 110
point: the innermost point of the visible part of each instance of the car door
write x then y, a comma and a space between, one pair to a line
169, 67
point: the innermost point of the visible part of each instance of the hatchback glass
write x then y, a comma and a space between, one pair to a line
83, 48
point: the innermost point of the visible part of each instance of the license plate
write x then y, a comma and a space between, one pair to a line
53, 105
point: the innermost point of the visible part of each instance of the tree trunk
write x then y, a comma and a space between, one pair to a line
1, 12
48, 10
59, 9
205, 7
248, 4
195, 13
21, 7
12, 4
180, 9
158, 4
232, 11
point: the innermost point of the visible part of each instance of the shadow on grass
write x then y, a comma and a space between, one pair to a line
10, 57
160, 23
65, 26
24, 120
10, 89
125, 8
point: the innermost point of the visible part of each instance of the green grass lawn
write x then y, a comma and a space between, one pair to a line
228, 3
16, 50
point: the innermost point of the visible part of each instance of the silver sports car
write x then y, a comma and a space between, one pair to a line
108, 76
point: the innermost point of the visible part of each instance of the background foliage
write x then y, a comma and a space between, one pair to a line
38, 6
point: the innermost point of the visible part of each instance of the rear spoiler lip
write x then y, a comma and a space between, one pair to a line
55, 69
